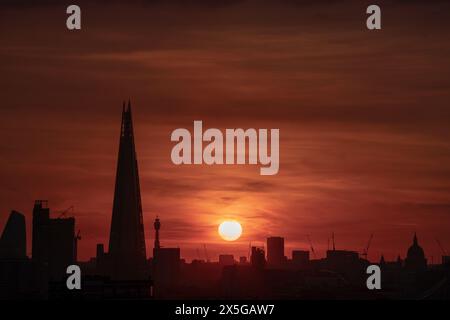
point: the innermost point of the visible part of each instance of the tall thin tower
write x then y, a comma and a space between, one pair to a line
126, 240
157, 245
157, 226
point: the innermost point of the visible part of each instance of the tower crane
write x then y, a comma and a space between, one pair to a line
310, 244
64, 212
441, 247
366, 249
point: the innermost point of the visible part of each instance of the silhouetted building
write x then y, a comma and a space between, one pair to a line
342, 256
446, 260
258, 259
102, 288
100, 252
391, 265
166, 270
41, 217
242, 260
226, 259
300, 258
415, 259
13, 240
244, 282
275, 251
347, 264
16, 270
166, 266
62, 248
54, 241
127, 254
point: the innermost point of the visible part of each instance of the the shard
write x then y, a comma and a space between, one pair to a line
127, 242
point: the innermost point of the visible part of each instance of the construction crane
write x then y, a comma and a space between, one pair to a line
206, 253
310, 244
366, 249
63, 213
441, 247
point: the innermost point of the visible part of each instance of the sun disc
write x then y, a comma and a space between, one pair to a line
230, 230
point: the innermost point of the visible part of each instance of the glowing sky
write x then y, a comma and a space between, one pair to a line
363, 118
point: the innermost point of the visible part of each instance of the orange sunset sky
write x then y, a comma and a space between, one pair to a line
363, 118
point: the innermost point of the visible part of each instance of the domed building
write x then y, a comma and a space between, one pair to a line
415, 259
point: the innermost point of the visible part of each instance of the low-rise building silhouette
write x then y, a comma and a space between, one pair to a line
275, 251
300, 258
257, 258
226, 260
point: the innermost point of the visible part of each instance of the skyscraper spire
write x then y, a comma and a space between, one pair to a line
127, 242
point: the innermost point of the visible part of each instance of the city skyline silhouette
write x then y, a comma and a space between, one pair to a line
127, 172
436, 241
125, 272
364, 140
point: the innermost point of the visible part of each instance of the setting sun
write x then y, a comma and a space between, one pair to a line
230, 230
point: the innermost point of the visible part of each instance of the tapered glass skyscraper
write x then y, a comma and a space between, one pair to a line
127, 241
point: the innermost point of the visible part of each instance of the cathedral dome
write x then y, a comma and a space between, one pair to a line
415, 251
415, 259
